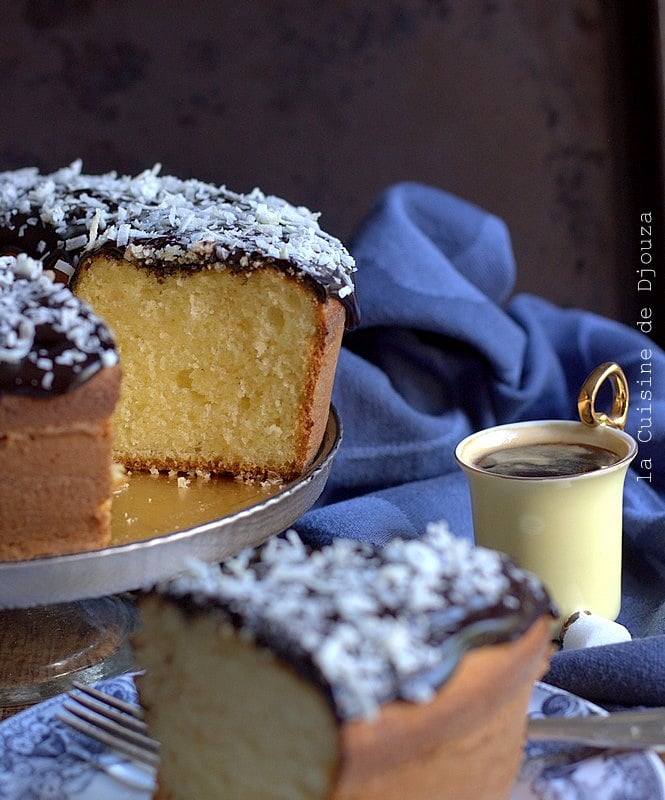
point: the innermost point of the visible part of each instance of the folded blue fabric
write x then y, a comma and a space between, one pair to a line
443, 349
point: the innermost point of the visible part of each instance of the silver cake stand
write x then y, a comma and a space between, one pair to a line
48, 603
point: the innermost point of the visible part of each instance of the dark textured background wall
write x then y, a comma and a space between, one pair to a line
517, 106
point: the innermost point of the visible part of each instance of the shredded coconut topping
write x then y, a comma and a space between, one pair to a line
163, 220
372, 623
50, 340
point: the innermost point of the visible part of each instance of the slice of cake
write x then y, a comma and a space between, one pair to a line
228, 310
348, 672
59, 385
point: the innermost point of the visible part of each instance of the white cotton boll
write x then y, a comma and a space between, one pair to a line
590, 630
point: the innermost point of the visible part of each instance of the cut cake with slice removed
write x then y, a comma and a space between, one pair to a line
228, 310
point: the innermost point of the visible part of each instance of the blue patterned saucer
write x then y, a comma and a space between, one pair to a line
43, 759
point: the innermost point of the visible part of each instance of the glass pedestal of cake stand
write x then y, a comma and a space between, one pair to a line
51, 633
43, 649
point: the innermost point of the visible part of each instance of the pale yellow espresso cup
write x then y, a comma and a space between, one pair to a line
566, 528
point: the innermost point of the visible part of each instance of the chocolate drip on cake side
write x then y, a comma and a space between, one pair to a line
50, 341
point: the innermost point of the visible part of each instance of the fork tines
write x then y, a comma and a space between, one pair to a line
111, 721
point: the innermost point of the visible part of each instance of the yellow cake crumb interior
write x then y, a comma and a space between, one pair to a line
251, 729
214, 362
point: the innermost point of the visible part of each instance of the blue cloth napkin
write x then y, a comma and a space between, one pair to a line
445, 348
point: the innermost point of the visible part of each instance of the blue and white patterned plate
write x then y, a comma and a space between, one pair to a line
573, 772
43, 759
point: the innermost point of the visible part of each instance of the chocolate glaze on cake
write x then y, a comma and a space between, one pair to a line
50, 341
167, 224
369, 624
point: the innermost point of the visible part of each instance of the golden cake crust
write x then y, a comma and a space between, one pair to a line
59, 384
315, 408
88, 406
57, 462
466, 744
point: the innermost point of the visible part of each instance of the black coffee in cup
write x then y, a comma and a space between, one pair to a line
546, 460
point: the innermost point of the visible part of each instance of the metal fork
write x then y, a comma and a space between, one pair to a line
629, 730
118, 725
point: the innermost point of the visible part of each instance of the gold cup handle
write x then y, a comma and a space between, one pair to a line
586, 401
